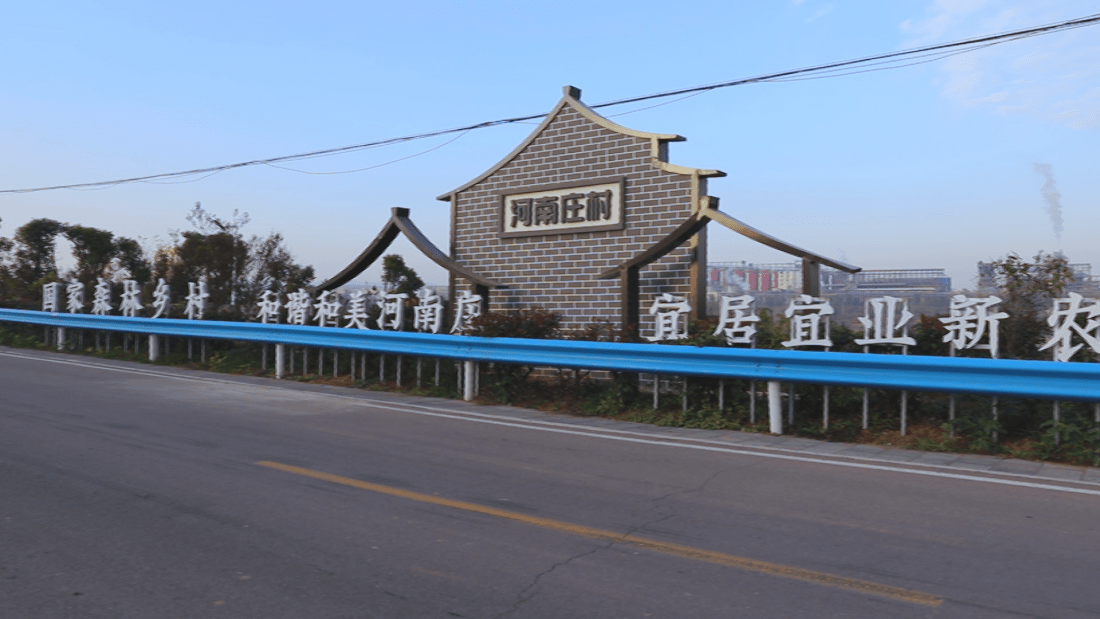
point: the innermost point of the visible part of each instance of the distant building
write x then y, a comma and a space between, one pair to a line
773, 285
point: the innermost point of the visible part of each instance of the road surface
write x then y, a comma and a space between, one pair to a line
137, 491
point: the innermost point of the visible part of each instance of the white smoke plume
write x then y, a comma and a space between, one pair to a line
1053, 198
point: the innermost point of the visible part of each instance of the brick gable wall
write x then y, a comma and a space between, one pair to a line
558, 271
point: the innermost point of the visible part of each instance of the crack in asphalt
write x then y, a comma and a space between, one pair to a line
654, 505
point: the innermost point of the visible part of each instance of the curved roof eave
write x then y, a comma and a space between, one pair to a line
571, 97
696, 221
398, 223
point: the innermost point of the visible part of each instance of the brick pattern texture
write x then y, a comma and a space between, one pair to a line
558, 272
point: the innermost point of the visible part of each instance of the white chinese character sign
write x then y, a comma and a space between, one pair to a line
1073, 318
196, 300
269, 307
393, 311
428, 313
357, 310
671, 318
328, 309
298, 306
131, 298
101, 299
74, 297
51, 297
161, 299
736, 320
971, 320
809, 318
467, 307
885, 320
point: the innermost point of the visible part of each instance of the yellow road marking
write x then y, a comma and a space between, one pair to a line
752, 565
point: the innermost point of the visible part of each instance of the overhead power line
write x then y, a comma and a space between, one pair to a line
878, 62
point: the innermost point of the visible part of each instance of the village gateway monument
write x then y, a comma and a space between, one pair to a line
585, 218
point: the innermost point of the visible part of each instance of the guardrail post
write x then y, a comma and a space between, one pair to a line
61, 338
468, 391
280, 359
154, 347
775, 407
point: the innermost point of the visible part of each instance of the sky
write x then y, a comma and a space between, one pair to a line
937, 165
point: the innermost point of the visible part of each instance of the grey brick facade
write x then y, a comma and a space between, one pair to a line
559, 271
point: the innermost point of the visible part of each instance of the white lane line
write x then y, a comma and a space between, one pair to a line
601, 433
112, 368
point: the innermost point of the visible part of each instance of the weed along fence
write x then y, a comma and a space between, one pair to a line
957, 375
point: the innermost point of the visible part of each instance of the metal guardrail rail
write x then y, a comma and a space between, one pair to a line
1003, 377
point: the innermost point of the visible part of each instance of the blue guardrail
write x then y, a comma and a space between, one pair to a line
1006, 377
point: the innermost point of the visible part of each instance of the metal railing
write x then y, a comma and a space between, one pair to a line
996, 377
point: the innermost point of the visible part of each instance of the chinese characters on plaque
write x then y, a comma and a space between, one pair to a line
563, 208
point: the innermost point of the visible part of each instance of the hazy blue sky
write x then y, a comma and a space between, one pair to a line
927, 166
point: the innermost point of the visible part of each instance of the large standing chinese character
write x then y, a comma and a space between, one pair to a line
51, 297
357, 310
393, 311
130, 303
429, 312
328, 309
882, 318
737, 320
101, 298
522, 212
809, 321
162, 299
1063, 318
970, 320
546, 210
467, 307
197, 295
298, 305
599, 205
269, 307
75, 295
671, 314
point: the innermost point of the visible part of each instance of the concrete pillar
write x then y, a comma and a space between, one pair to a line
469, 390
775, 407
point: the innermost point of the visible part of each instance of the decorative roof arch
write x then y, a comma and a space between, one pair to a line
400, 223
697, 221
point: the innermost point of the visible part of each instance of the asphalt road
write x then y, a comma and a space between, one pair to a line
135, 491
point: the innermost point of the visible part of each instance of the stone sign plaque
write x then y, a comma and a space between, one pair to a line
586, 206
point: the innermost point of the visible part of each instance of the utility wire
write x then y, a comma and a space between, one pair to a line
879, 62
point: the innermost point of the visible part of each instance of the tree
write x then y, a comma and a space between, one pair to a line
215, 251
272, 267
34, 254
131, 258
94, 250
397, 277
8, 283
236, 270
1027, 290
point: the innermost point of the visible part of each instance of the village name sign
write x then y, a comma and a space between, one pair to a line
569, 207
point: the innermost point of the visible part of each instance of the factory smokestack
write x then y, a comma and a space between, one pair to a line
1053, 198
